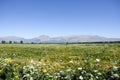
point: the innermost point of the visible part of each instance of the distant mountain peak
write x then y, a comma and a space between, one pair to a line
43, 36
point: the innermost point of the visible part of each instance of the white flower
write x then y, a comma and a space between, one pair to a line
61, 72
97, 77
56, 77
80, 77
71, 62
24, 67
68, 77
31, 61
31, 78
57, 73
68, 70
27, 75
50, 76
95, 70
83, 72
60, 60
116, 75
98, 60
91, 75
85, 60
4, 64
99, 73
31, 67
80, 68
115, 68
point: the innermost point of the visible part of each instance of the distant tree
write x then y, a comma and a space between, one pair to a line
67, 43
40, 43
10, 42
3, 42
21, 42
32, 42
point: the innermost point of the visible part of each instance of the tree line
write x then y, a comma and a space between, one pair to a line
22, 42
11, 42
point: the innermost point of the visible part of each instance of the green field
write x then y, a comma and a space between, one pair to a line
59, 61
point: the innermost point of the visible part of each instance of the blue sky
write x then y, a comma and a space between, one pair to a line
32, 18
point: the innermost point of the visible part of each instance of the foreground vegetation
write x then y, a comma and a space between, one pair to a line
59, 61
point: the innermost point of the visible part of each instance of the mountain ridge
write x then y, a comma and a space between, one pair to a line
60, 39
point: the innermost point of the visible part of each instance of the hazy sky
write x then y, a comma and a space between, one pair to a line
32, 18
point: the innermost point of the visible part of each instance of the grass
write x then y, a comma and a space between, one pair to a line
60, 61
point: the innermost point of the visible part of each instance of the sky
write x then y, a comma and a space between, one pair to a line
32, 18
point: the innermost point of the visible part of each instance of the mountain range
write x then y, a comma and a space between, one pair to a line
60, 39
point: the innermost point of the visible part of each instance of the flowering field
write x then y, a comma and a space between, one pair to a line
59, 61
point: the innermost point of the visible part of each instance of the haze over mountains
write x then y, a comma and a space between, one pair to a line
60, 39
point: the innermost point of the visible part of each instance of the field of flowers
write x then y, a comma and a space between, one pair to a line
59, 61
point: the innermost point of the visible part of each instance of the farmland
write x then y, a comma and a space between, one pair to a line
59, 61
